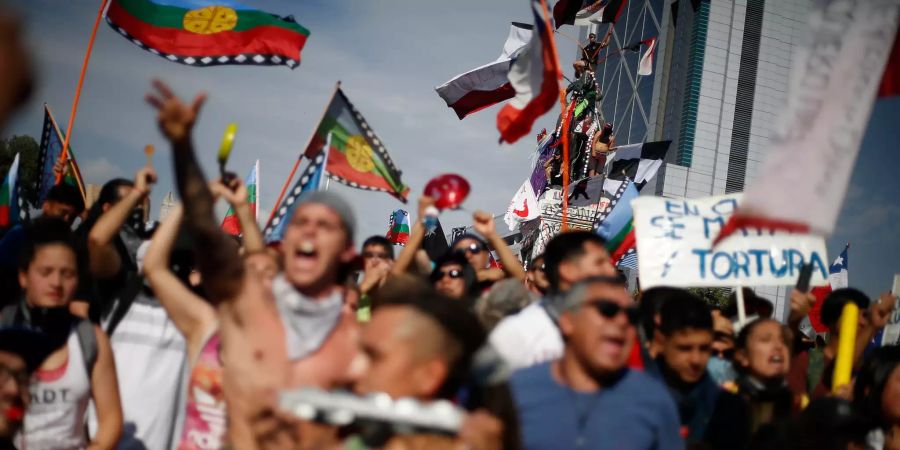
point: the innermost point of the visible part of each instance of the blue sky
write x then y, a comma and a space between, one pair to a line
389, 56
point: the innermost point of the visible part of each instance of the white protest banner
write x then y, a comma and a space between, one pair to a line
891, 333
674, 242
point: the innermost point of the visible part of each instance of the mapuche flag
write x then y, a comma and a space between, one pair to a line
208, 33
50, 151
231, 224
356, 155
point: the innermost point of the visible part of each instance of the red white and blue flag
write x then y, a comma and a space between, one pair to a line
535, 76
489, 84
838, 278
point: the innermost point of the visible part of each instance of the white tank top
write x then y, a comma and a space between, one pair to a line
59, 401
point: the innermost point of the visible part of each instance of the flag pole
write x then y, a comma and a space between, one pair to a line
565, 127
325, 176
742, 314
290, 177
87, 57
78, 179
256, 209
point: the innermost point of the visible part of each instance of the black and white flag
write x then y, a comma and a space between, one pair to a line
638, 162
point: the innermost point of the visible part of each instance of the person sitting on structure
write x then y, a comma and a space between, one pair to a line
591, 51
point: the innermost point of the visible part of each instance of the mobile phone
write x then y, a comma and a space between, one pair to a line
805, 276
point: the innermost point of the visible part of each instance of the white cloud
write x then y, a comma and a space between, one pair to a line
99, 170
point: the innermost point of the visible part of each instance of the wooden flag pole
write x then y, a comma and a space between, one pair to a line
256, 209
87, 57
565, 165
565, 127
290, 177
742, 314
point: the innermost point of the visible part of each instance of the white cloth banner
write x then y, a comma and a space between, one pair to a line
835, 77
674, 244
522, 208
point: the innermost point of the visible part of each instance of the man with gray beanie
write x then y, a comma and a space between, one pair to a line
291, 330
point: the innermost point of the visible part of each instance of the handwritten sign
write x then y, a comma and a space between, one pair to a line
674, 242
891, 334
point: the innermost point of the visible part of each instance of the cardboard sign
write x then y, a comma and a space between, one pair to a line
891, 333
674, 241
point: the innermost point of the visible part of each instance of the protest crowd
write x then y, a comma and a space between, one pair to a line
118, 334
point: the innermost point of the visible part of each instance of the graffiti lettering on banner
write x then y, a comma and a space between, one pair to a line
674, 242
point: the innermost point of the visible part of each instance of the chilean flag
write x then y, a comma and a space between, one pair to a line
813, 149
487, 85
838, 278
231, 224
535, 76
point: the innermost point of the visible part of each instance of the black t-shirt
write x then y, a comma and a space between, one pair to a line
590, 52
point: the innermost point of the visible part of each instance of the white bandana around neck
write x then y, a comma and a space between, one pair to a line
307, 322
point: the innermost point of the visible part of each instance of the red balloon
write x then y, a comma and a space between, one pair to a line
448, 190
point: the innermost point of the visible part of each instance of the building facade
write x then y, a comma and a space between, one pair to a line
719, 81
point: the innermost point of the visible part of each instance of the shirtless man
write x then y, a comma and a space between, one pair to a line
276, 333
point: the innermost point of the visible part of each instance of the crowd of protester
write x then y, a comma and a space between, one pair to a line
118, 335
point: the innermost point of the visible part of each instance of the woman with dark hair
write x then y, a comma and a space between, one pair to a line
762, 360
455, 278
876, 395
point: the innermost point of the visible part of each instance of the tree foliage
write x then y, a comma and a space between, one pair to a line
713, 296
29, 172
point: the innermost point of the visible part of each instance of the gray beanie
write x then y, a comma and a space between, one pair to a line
336, 203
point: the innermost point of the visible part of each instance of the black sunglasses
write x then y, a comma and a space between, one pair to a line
610, 309
452, 273
724, 354
472, 248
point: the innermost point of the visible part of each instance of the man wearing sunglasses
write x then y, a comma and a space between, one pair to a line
710, 417
590, 395
532, 336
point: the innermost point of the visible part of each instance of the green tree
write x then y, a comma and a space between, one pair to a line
713, 296
29, 172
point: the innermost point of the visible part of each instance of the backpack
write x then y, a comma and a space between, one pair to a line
87, 340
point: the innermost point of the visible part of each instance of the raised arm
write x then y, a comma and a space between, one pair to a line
407, 256
484, 224
236, 195
219, 263
190, 313
104, 261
